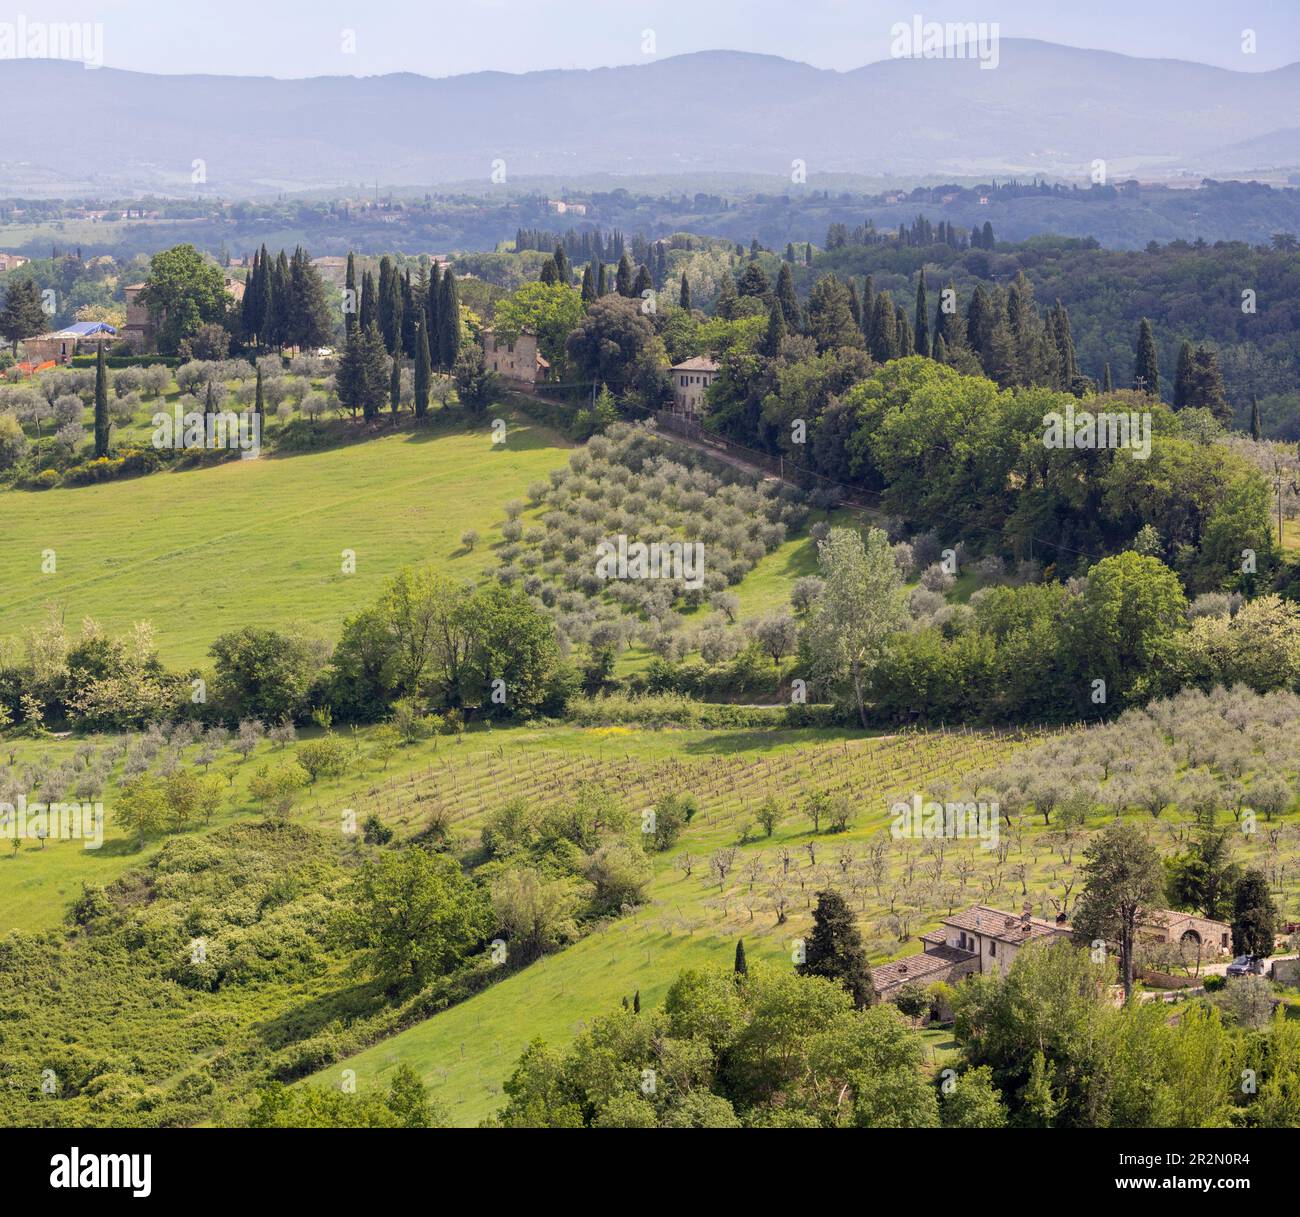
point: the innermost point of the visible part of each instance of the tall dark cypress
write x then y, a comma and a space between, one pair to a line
422, 371
623, 276
868, 306
855, 306
1107, 380
259, 404
367, 311
432, 301
448, 322
741, 966
395, 385
922, 320
265, 303
1146, 367
588, 285
786, 297
602, 283
101, 403
350, 283
1184, 375
684, 295
1256, 426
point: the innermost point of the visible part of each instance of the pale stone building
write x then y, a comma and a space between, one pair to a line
691, 380
519, 360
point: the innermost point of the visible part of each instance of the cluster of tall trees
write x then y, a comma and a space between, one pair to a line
285, 303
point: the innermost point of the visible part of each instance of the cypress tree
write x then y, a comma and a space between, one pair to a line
1146, 367
922, 321
367, 312
684, 295
395, 385
1184, 374
101, 403
259, 406
807, 254
1254, 915
884, 329
636, 1002
248, 307
903, 328
643, 283
448, 322
979, 320
588, 286
602, 283
550, 273
374, 372
834, 949
209, 400
623, 277
868, 306
1256, 429
1107, 380
725, 306
775, 331
431, 301
264, 302
785, 295
741, 966
422, 372
855, 307
350, 283
562, 270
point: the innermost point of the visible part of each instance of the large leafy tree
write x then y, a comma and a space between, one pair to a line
412, 916
183, 292
1123, 881
550, 312
863, 603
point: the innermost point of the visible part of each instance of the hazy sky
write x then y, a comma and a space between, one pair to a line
443, 37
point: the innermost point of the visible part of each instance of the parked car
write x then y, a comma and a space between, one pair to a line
1246, 965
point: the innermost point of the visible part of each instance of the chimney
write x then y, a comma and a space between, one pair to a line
1026, 912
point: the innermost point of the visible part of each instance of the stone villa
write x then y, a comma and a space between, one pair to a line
690, 380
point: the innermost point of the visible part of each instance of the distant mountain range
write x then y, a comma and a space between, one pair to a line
1045, 109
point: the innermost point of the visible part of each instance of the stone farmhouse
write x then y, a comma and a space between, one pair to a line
690, 380
61, 345
979, 939
12, 261
985, 940
519, 362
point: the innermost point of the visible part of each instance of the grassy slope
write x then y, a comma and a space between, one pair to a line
204, 551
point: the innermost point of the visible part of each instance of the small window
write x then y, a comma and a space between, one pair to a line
993, 948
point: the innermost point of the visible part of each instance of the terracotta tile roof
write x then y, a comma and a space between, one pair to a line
918, 967
1003, 926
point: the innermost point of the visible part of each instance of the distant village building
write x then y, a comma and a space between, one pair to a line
518, 361
12, 261
560, 207
690, 380
61, 345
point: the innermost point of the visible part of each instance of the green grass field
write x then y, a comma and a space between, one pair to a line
203, 551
